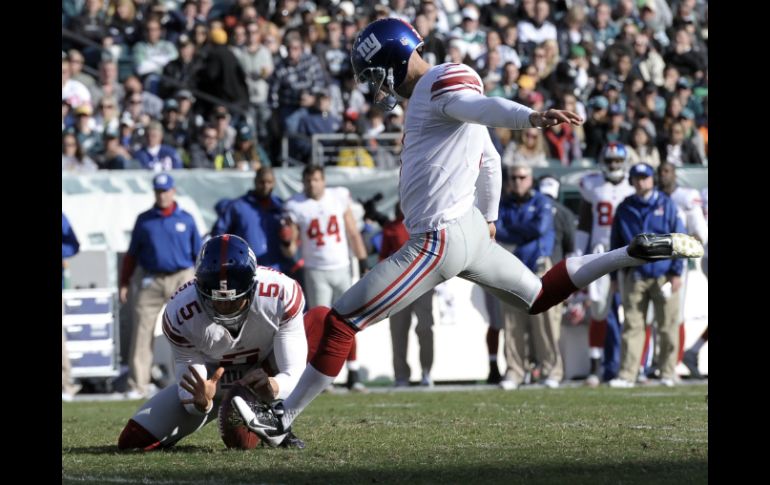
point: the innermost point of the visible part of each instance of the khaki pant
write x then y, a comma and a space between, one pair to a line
399, 334
543, 330
66, 386
152, 293
637, 294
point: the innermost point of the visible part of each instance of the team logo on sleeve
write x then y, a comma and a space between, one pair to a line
369, 47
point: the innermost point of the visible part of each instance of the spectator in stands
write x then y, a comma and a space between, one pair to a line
92, 21
648, 62
537, 29
677, 149
225, 132
114, 156
257, 64
180, 72
144, 101
530, 149
596, 126
73, 157
297, 80
526, 226
641, 149
617, 128
69, 247
108, 84
152, 55
164, 245
352, 152
434, 43
124, 27
687, 119
189, 121
175, 134
73, 92
497, 14
107, 115
155, 155
563, 144
77, 61
394, 236
85, 129
221, 75
207, 153
246, 154
318, 121
647, 211
681, 55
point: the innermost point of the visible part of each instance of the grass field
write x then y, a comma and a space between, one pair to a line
565, 436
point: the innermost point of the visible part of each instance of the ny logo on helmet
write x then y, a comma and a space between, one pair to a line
369, 47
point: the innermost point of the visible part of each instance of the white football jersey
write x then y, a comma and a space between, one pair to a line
442, 156
322, 227
604, 197
274, 324
690, 206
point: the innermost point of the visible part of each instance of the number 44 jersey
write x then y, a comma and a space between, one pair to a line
321, 226
604, 197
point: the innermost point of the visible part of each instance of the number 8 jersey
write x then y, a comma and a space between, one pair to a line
604, 197
321, 226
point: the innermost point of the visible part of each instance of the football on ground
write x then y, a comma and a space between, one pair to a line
232, 429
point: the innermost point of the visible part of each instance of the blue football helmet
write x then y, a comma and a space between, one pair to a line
226, 279
380, 57
612, 159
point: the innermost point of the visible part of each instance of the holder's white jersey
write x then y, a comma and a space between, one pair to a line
604, 197
442, 156
322, 228
274, 324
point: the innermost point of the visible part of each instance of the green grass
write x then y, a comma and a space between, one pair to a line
566, 436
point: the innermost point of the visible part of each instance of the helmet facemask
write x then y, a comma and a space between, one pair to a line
614, 175
380, 82
227, 308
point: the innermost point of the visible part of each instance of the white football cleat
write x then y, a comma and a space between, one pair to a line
266, 424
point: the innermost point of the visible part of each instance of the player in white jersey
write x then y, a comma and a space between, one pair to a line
322, 224
235, 321
690, 205
602, 193
447, 158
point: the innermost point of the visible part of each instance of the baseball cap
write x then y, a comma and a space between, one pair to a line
549, 186
162, 181
470, 13
642, 170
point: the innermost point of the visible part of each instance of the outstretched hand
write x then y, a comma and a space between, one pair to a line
202, 390
553, 117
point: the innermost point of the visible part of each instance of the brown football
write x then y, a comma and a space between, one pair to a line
232, 429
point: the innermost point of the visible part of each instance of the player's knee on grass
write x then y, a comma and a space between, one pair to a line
135, 437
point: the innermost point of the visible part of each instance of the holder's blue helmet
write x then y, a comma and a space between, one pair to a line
226, 275
380, 57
